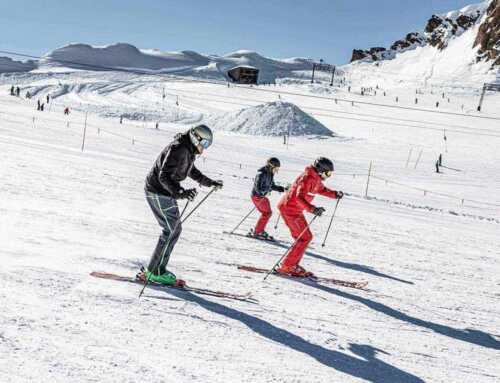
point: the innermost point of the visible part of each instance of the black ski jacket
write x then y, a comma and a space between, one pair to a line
264, 183
174, 164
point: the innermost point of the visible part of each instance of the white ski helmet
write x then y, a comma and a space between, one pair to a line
201, 135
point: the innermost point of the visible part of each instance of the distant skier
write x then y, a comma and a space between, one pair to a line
263, 185
28, 95
292, 205
48, 99
18, 91
66, 110
12, 90
163, 189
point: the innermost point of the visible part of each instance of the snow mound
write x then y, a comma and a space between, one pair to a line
271, 119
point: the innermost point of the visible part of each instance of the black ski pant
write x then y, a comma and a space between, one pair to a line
166, 212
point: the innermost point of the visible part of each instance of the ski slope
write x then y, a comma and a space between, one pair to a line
431, 259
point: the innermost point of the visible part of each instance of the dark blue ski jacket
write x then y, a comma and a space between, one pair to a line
264, 183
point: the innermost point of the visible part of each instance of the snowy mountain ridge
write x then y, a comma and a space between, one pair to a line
439, 31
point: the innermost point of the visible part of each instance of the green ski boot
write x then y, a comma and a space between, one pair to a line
166, 278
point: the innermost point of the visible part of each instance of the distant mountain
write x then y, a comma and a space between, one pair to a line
126, 56
7, 65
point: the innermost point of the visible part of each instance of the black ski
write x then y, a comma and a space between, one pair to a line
202, 291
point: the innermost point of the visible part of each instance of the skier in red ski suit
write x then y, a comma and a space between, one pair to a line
292, 205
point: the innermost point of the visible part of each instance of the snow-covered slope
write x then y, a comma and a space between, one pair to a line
431, 260
271, 119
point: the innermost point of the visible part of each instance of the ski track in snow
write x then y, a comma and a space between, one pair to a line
431, 313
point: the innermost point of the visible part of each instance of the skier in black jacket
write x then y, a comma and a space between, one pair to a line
174, 164
263, 185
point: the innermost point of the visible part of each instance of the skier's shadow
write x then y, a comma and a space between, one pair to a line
472, 336
366, 366
347, 265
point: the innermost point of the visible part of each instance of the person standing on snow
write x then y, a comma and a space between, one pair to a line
263, 185
174, 164
292, 205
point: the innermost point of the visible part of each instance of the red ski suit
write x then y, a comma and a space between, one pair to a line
291, 207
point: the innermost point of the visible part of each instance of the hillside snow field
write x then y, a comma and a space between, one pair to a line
427, 242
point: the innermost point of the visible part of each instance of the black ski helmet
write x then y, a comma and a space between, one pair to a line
274, 162
201, 135
323, 165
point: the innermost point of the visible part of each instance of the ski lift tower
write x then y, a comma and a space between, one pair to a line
487, 86
323, 68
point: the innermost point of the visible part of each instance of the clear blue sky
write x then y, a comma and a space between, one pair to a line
327, 29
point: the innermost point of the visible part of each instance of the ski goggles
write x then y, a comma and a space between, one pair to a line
328, 173
205, 143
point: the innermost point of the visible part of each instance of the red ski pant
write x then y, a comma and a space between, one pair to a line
297, 224
262, 204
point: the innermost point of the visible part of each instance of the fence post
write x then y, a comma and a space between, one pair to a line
409, 156
84, 131
34, 122
418, 158
368, 179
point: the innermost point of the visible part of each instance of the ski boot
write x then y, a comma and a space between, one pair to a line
262, 236
294, 271
167, 278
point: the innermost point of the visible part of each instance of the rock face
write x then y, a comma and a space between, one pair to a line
488, 36
440, 29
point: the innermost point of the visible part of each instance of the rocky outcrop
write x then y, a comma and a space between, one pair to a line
411, 40
488, 36
372, 54
440, 29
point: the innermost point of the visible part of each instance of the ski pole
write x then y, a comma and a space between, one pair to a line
330, 225
179, 220
238, 225
198, 205
277, 221
287, 250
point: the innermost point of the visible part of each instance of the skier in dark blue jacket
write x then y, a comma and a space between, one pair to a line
263, 185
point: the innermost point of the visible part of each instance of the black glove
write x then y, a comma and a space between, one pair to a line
217, 184
280, 189
188, 194
340, 194
318, 211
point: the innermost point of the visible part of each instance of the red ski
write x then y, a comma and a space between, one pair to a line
350, 284
196, 290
